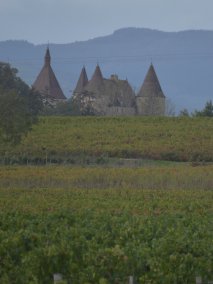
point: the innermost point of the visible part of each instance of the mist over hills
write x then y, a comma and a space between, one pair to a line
183, 61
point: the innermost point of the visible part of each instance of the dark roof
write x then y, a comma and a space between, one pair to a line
82, 81
97, 76
128, 86
96, 83
46, 82
151, 86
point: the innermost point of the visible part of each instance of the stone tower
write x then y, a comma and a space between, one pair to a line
150, 99
47, 84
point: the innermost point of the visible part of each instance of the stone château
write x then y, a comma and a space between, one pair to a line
101, 96
113, 96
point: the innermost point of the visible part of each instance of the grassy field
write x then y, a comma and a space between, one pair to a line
100, 225
95, 139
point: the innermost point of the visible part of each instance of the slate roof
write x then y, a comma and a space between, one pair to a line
82, 81
96, 82
46, 83
151, 86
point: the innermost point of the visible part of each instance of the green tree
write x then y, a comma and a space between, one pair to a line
13, 116
184, 112
207, 111
19, 105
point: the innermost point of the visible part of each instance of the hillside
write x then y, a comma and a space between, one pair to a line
183, 61
75, 140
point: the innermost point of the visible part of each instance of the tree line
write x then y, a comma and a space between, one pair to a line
71, 108
206, 111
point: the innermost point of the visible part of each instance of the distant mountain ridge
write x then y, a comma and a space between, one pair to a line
183, 61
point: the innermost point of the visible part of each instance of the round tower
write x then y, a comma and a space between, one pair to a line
151, 99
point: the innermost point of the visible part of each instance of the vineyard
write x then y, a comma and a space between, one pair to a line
74, 139
97, 199
100, 225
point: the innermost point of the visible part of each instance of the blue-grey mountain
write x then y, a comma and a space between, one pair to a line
183, 61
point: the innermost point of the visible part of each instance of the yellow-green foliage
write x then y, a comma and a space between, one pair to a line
79, 188
64, 138
160, 178
100, 225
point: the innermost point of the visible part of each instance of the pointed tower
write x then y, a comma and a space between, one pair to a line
47, 84
97, 76
96, 83
151, 99
82, 82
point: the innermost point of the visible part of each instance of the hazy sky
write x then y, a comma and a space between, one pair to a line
61, 21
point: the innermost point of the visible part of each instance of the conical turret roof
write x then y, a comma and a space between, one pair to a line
82, 81
151, 86
46, 82
47, 58
97, 80
97, 76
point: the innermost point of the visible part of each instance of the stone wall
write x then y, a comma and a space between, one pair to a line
120, 111
150, 106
